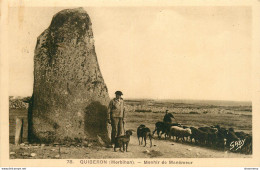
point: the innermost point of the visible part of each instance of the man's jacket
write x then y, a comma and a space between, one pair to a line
116, 108
167, 118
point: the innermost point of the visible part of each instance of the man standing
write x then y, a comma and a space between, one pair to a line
116, 116
168, 118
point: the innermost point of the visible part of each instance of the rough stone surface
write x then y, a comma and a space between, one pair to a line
70, 97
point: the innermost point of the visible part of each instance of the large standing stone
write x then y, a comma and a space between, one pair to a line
69, 94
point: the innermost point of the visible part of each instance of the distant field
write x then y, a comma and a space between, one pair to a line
237, 115
238, 122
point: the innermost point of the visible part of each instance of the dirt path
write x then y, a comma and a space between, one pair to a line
160, 149
165, 149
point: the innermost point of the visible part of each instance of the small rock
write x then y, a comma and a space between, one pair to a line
57, 156
147, 151
12, 153
24, 147
52, 149
90, 144
85, 143
33, 154
73, 144
189, 149
25, 154
42, 145
22, 144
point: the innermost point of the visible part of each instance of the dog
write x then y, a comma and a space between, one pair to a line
144, 132
123, 141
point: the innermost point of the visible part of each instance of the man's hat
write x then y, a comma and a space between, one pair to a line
119, 93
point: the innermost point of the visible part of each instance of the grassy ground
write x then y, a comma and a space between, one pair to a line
235, 115
238, 122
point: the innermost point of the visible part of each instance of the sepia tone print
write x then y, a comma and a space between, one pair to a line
131, 82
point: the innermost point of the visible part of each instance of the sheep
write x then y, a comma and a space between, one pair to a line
186, 133
247, 148
219, 128
168, 128
212, 134
241, 135
221, 137
174, 131
179, 132
184, 127
198, 135
231, 136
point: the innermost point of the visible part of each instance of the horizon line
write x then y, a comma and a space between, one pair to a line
190, 99
184, 99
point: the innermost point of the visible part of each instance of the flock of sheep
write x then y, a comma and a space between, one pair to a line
213, 136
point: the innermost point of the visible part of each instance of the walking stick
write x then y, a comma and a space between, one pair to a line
175, 119
124, 127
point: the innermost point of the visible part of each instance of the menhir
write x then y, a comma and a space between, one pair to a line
69, 94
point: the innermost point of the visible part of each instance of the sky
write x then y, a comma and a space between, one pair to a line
151, 52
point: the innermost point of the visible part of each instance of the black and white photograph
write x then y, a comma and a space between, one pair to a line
130, 82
